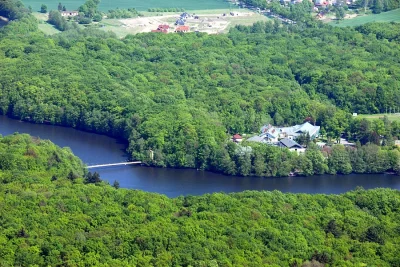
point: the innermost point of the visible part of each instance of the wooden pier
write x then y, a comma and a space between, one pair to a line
114, 164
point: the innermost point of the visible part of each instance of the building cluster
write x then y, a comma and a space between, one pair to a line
180, 25
320, 6
283, 136
165, 29
273, 134
324, 3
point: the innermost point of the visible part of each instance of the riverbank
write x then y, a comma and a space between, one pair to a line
99, 149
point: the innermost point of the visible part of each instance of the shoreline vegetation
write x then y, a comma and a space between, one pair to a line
333, 159
53, 213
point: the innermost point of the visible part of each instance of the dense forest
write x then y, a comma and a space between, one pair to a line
182, 96
179, 97
51, 215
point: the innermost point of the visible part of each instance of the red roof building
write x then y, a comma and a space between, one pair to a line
182, 29
158, 30
237, 138
163, 27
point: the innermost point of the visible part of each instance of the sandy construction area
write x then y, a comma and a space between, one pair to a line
210, 23
144, 24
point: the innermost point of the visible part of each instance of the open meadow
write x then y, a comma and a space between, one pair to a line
390, 116
106, 5
393, 15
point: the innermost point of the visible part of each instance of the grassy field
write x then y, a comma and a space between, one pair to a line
393, 15
105, 5
391, 117
43, 25
245, 21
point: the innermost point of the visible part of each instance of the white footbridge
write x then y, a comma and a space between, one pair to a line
114, 164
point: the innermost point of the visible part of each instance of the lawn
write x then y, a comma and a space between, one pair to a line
245, 20
391, 116
106, 5
393, 15
45, 27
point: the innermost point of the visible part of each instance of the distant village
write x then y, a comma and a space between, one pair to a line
321, 7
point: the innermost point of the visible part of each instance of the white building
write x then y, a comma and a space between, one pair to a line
69, 13
275, 133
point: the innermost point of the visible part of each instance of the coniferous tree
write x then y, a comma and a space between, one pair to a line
116, 184
43, 9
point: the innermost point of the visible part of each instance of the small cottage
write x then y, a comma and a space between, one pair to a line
237, 138
182, 29
69, 13
162, 28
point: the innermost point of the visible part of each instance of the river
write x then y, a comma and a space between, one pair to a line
100, 149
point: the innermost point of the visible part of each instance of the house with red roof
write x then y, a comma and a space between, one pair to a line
237, 138
158, 30
182, 29
162, 28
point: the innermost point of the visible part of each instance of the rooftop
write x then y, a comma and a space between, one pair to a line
292, 130
237, 136
256, 139
289, 143
182, 29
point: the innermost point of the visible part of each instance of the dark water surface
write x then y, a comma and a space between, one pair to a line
99, 149
2, 23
